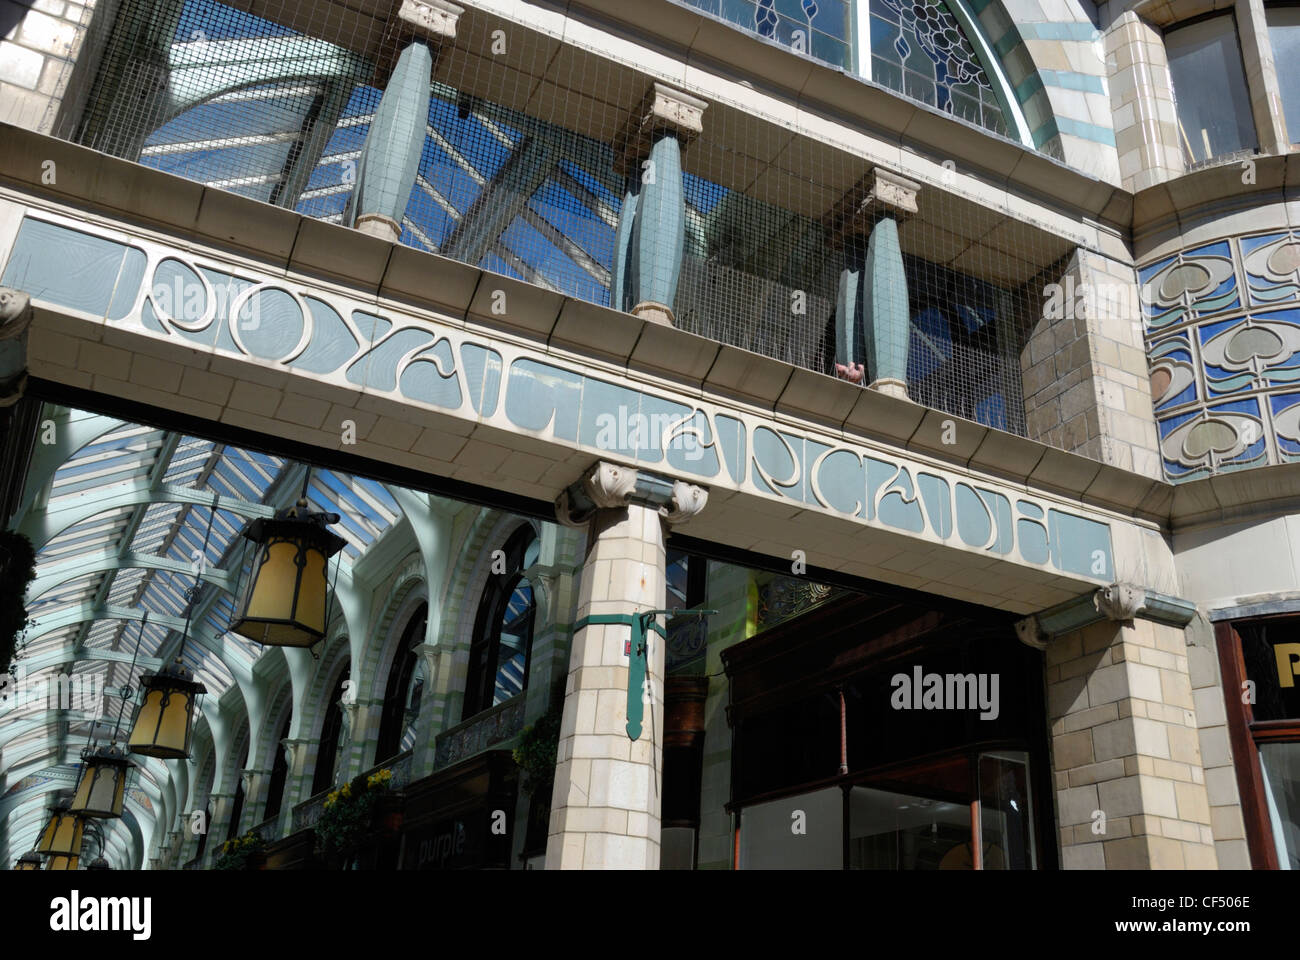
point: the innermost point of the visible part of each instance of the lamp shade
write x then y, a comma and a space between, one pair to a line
284, 602
164, 721
28, 861
62, 861
62, 836
102, 786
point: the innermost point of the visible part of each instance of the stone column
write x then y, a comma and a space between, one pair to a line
390, 158
222, 807
255, 784
606, 801
426, 730
297, 783
1126, 756
1146, 121
362, 718
872, 316
651, 233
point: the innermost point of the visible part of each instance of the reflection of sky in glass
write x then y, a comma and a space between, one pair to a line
516, 627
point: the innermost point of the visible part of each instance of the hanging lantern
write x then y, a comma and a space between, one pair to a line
99, 863
62, 862
62, 836
31, 860
102, 787
164, 720
284, 603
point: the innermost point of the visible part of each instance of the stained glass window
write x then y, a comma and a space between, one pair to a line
919, 49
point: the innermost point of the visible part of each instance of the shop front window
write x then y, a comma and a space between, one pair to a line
1261, 658
1213, 104
1281, 766
837, 765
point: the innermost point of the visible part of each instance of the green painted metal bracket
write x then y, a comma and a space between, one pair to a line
638, 666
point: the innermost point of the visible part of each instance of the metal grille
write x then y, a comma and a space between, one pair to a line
518, 176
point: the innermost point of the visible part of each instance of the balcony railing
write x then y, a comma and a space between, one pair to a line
481, 731
308, 812
517, 175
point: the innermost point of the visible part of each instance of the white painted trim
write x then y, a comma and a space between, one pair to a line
993, 66
861, 27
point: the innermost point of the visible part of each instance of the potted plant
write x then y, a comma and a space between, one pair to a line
535, 755
348, 815
242, 853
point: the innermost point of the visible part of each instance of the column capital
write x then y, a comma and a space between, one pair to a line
432, 19
606, 486
664, 109
881, 193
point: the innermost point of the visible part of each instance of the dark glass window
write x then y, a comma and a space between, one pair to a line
279, 773
404, 690
1210, 92
503, 630
327, 753
237, 808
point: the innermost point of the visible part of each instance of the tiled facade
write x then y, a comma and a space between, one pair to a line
1146, 327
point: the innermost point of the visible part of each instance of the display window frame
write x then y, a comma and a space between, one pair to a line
898, 632
1246, 734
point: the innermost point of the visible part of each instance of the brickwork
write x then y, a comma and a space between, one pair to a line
1216, 750
44, 38
1087, 389
1126, 752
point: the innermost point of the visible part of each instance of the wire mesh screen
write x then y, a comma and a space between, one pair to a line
521, 174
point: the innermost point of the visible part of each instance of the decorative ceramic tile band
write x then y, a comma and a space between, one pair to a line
1223, 340
334, 338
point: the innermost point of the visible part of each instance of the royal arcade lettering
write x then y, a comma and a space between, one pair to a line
334, 338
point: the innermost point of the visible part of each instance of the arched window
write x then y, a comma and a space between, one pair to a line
404, 690
237, 808
330, 734
279, 772
503, 629
929, 50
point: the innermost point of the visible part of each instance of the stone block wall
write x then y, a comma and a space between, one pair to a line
1086, 381
1141, 96
40, 44
1126, 750
1216, 749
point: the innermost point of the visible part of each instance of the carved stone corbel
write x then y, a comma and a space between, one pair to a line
688, 500
1120, 601
15, 319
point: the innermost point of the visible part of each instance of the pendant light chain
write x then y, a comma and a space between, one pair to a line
126, 690
192, 594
